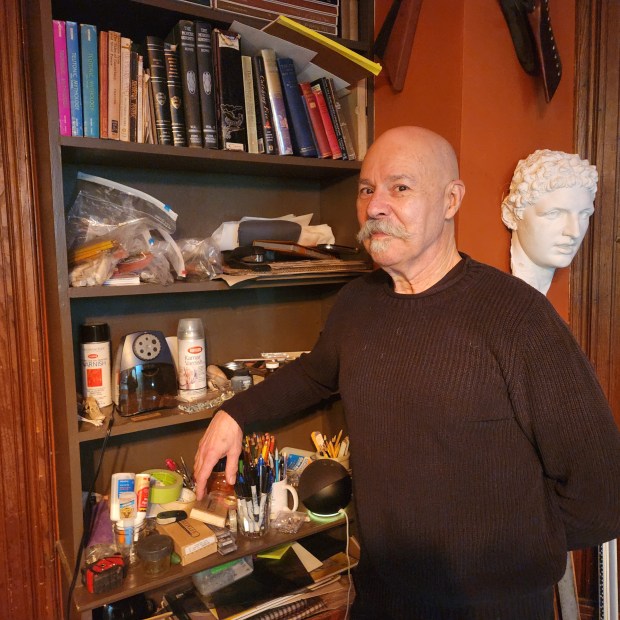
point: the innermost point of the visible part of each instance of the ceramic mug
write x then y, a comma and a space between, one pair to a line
280, 492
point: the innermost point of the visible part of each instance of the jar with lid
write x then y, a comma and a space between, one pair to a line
155, 551
216, 483
241, 380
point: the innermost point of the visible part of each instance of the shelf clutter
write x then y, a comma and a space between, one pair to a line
203, 86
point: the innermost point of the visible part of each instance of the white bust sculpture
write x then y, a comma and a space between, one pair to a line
548, 209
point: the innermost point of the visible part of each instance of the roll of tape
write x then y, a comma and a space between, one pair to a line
185, 502
167, 487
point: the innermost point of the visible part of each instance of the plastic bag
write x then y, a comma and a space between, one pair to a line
102, 205
202, 257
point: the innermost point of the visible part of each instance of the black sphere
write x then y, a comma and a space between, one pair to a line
325, 487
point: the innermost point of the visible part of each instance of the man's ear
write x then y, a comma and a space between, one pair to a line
455, 191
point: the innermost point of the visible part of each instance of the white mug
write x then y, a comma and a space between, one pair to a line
279, 497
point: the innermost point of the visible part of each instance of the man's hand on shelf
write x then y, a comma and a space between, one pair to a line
223, 437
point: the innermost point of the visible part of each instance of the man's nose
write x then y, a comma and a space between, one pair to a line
378, 205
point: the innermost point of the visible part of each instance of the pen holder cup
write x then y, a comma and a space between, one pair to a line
281, 493
343, 460
253, 517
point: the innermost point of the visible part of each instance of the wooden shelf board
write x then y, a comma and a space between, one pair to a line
141, 423
157, 156
137, 582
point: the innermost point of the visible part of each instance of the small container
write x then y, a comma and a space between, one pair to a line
126, 536
216, 483
212, 579
155, 551
241, 380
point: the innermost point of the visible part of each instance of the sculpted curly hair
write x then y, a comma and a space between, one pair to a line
541, 172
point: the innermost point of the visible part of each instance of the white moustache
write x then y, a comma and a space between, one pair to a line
381, 226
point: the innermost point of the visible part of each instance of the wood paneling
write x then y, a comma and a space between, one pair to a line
595, 288
29, 579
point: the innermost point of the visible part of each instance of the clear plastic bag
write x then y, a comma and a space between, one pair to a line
202, 257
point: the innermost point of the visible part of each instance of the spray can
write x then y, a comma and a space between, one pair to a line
96, 365
192, 358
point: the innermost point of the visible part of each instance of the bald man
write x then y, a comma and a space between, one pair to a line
482, 445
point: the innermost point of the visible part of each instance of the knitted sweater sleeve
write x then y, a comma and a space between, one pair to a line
562, 409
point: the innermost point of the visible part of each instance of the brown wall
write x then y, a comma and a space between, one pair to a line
465, 82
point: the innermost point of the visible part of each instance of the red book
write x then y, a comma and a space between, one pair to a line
316, 121
321, 103
62, 77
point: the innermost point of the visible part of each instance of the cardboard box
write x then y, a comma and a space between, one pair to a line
193, 540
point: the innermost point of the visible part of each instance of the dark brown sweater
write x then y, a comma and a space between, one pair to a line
482, 446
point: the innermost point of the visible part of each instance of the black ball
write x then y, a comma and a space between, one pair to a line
325, 487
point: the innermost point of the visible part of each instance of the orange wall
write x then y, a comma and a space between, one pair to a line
465, 82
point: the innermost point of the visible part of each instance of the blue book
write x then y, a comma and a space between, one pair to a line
303, 140
75, 80
90, 80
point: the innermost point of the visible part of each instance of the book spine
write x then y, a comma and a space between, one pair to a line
75, 79
185, 39
230, 84
114, 84
140, 130
150, 131
276, 100
303, 143
250, 104
333, 114
125, 89
342, 121
318, 128
90, 80
103, 84
263, 117
175, 95
159, 89
321, 103
133, 96
264, 9
284, 6
62, 77
206, 83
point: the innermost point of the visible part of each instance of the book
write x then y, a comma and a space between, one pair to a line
270, 10
62, 77
90, 79
320, 136
303, 142
276, 102
140, 103
206, 83
150, 133
250, 104
229, 80
330, 100
75, 78
159, 89
341, 117
184, 37
175, 95
354, 106
114, 84
264, 121
192, 539
133, 95
125, 89
103, 83
321, 103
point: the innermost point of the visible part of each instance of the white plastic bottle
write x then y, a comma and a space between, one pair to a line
192, 358
96, 364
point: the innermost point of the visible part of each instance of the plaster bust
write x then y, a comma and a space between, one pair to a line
548, 209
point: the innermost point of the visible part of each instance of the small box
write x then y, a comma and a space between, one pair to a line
193, 540
213, 579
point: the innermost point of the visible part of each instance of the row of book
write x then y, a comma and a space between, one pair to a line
196, 89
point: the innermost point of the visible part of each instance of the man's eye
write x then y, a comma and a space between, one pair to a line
365, 191
402, 188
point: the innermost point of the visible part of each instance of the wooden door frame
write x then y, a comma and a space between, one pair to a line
594, 291
29, 581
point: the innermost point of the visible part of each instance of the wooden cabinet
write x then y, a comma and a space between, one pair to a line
205, 188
